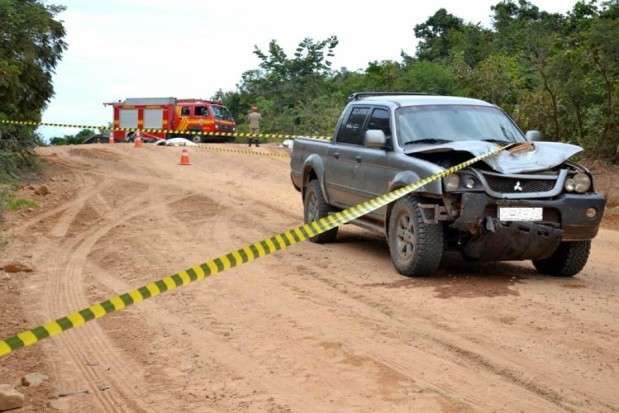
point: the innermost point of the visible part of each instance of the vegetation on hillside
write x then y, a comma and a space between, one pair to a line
31, 47
558, 73
77, 139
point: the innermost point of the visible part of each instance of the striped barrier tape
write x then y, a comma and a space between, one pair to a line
176, 132
214, 266
280, 154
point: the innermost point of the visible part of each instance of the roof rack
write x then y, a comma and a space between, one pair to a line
361, 95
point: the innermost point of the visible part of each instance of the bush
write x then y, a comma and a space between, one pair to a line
16, 204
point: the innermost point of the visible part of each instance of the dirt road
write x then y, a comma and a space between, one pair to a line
313, 329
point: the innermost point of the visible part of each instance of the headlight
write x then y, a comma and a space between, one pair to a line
582, 182
570, 185
452, 182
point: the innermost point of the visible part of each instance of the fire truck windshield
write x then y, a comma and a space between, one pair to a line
221, 112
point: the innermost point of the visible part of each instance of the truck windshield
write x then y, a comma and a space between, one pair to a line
221, 112
444, 123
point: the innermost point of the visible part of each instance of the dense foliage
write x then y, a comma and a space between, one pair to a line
31, 45
558, 73
80, 137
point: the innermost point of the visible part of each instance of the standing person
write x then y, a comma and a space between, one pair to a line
254, 118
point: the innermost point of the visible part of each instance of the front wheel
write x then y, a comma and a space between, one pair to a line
314, 208
416, 248
197, 139
568, 259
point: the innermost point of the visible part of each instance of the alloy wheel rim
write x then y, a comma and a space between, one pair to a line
312, 207
405, 236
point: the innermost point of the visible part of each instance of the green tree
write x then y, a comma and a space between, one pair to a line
77, 139
30, 48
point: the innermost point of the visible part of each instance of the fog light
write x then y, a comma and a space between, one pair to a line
591, 212
570, 185
452, 182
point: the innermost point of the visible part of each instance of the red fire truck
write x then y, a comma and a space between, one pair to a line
178, 115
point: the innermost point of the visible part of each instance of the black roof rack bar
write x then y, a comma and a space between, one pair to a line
361, 95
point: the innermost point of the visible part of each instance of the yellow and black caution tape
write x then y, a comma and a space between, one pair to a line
214, 266
170, 131
245, 151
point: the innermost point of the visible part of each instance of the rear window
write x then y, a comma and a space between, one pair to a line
351, 131
221, 112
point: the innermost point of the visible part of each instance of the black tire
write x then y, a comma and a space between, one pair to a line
568, 259
315, 207
197, 138
416, 248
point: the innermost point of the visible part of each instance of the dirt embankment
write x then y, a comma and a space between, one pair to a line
607, 181
315, 328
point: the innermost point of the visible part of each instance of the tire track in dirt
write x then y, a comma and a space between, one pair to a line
91, 343
66, 294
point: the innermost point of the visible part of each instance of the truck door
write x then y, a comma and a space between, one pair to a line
183, 114
342, 163
377, 167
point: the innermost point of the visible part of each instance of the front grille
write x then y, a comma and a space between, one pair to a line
513, 185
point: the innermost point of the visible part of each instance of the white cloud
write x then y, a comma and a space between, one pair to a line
137, 48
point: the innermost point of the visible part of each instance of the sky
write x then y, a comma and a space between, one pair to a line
190, 49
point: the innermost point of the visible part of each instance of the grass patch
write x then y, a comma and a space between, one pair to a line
16, 204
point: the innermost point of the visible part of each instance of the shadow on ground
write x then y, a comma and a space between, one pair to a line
455, 277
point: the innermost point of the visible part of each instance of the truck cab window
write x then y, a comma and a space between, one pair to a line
201, 111
380, 120
185, 111
352, 130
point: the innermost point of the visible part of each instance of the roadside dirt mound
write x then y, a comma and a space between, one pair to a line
95, 153
607, 180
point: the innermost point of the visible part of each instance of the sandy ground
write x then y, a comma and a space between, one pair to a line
316, 328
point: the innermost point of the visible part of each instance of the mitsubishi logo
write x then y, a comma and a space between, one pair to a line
518, 187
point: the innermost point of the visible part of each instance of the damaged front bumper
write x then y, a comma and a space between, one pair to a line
567, 217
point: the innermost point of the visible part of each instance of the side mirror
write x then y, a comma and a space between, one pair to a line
534, 136
375, 138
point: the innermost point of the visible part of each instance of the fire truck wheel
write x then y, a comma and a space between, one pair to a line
197, 138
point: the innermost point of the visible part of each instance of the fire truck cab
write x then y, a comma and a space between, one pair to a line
172, 117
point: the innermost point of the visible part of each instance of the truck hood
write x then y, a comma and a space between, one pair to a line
541, 155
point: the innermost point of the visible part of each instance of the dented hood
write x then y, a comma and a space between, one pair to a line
539, 156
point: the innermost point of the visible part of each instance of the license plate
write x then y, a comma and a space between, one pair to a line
520, 214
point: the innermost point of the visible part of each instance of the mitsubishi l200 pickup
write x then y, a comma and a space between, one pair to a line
527, 203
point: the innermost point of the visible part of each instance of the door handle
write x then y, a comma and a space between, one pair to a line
336, 155
358, 159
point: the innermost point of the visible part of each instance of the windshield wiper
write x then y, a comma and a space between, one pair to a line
427, 140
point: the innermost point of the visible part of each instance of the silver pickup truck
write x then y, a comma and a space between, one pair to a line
528, 203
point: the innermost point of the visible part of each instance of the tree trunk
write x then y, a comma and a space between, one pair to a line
555, 108
579, 125
609, 85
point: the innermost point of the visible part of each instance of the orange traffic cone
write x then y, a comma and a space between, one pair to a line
137, 142
185, 158
111, 141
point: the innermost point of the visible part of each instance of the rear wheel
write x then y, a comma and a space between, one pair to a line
416, 248
197, 138
315, 207
568, 259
